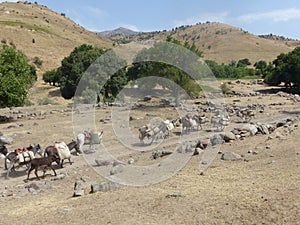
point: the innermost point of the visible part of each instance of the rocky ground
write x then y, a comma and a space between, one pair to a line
253, 179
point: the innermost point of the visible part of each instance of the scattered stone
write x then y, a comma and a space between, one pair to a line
161, 153
217, 140
59, 177
228, 136
80, 186
36, 187
250, 128
105, 186
230, 156
130, 161
117, 169
5, 140
174, 195
117, 162
100, 162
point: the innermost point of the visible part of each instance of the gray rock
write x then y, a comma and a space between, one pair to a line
105, 186
117, 169
6, 140
235, 131
130, 161
228, 136
250, 128
263, 129
230, 156
216, 140
59, 177
100, 162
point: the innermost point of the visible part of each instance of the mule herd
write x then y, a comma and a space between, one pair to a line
220, 118
34, 158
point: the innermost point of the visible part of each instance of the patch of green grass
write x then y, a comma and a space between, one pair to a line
25, 25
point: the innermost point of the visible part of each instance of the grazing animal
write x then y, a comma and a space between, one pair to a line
220, 122
45, 162
153, 132
200, 120
15, 155
60, 150
90, 138
21, 157
190, 123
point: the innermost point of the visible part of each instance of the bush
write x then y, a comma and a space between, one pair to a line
224, 88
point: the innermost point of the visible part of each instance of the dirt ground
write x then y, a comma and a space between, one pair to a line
261, 188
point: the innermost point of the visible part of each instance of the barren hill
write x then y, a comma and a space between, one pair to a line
224, 43
40, 32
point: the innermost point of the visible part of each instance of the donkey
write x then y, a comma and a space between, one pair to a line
21, 157
45, 162
153, 132
60, 150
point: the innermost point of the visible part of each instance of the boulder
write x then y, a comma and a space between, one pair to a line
117, 169
105, 186
250, 128
216, 140
228, 136
230, 156
5, 140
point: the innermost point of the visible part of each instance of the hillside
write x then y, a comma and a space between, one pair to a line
224, 43
40, 32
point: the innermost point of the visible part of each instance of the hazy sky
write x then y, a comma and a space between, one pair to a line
256, 16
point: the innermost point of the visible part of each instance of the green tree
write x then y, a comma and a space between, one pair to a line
74, 65
147, 65
261, 65
243, 63
16, 77
52, 77
286, 69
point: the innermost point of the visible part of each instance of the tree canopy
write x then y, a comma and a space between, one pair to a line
16, 77
285, 69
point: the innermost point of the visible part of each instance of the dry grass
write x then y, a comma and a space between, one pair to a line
224, 43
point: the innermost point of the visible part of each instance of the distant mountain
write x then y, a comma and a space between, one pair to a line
121, 31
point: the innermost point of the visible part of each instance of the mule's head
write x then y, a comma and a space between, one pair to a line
3, 150
37, 150
55, 158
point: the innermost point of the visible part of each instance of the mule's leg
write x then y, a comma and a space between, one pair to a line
61, 164
29, 171
53, 170
36, 174
70, 161
10, 168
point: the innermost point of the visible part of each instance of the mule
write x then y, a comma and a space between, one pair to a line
61, 150
153, 132
21, 157
90, 138
44, 162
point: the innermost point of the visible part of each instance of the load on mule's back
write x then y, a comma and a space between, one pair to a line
153, 131
89, 137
